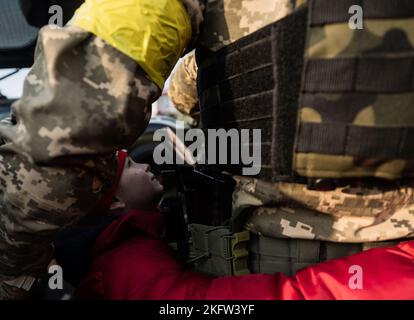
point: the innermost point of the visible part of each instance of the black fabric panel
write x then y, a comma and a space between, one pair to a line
239, 61
334, 11
256, 55
247, 84
266, 155
239, 109
255, 83
264, 124
210, 117
358, 141
242, 56
243, 85
288, 44
363, 75
209, 106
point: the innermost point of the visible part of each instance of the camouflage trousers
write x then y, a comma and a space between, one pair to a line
356, 213
82, 100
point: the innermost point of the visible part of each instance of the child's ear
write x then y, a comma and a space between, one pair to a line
117, 204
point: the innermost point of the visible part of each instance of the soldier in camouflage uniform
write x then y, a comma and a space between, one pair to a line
360, 211
353, 212
84, 98
356, 213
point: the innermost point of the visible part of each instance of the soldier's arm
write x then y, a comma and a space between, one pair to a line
84, 98
182, 90
92, 85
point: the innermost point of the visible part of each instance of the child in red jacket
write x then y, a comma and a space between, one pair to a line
132, 262
73, 246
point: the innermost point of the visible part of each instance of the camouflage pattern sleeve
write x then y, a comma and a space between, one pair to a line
82, 97
357, 212
82, 100
182, 90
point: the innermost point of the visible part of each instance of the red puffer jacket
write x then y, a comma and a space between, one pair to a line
133, 263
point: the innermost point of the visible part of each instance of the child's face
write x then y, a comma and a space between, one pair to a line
138, 188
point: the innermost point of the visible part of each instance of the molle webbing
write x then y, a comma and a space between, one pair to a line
334, 11
331, 101
357, 77
255, 83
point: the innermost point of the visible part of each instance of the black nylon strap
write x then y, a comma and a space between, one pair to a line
385, 69
334, 11
353, 140
360, 75
288, 44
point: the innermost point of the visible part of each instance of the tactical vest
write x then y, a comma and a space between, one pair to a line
332, 100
